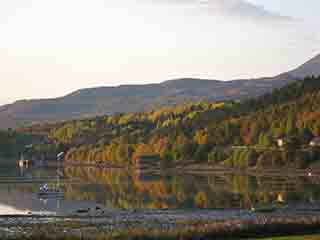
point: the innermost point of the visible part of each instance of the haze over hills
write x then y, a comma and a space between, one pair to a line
135, 98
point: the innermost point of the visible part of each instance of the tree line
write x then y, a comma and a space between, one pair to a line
205, 132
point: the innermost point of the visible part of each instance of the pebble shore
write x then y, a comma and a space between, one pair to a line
216, 222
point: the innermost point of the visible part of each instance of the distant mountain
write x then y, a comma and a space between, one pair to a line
312, 67
91, 102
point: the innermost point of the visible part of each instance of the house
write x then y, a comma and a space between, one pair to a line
280, 142
148, 161
292, 142
25, 163
315, 142
280, 198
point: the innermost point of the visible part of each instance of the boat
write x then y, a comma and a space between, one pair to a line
48, 191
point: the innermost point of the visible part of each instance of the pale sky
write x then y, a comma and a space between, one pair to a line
50, 48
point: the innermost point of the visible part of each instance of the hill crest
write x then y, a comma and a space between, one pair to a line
99, 101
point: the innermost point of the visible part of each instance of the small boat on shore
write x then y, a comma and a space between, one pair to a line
47, 192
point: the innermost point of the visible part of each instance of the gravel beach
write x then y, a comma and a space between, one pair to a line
164, 222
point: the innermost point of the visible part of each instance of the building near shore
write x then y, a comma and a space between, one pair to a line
151, 161
315, 142
280, 142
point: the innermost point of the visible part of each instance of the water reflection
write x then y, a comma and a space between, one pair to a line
21, 202
19, 193
4, 209
121, 189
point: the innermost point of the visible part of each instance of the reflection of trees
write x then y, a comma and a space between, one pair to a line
121, 189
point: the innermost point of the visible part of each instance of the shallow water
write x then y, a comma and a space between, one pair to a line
87, 188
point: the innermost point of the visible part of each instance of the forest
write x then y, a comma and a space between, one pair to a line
13, 143
232, 134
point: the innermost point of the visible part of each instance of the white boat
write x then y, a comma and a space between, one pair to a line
47, 191
50, 192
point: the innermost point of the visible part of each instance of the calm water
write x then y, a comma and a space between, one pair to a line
117, 189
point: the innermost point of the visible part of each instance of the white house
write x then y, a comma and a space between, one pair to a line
315, 142
280, 142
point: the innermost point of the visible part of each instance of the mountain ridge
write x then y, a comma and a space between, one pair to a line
311, 67
90, 102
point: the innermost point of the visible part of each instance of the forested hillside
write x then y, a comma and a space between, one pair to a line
88, 103
12, 144
229, 134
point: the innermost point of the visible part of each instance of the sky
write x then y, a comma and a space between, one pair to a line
51, 48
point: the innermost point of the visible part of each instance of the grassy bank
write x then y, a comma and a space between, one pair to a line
233, 229
305, 237
301, 237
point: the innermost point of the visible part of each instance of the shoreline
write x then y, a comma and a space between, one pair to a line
205, 169
164, 223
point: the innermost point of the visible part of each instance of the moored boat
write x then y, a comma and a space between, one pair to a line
48, 192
